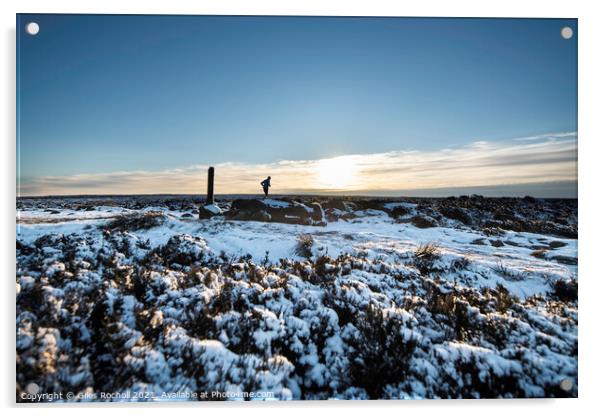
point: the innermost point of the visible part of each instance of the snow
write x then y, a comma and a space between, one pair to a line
374, 234
213, 208
392, 205
280, 323
275, 203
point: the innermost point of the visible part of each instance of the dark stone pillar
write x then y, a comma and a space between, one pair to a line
210, 174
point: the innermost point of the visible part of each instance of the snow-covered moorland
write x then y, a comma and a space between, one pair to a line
297, 298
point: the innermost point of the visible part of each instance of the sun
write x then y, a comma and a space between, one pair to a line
337, 173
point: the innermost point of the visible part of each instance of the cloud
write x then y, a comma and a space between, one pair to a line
549, 136
538, 159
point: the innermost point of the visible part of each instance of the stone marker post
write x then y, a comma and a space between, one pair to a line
210, 199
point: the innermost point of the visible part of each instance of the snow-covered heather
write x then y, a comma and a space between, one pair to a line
375, 307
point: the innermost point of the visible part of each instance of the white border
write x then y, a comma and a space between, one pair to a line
590, 217
467, 8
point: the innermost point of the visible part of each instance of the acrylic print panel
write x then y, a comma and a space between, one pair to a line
260, 208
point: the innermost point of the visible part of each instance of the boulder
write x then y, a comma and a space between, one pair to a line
423, 221
316, 214
375, 204
335, 209
208, 211
276, 210
399, 211
334, 203
456, 213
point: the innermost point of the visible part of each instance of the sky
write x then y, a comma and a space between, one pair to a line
377, 106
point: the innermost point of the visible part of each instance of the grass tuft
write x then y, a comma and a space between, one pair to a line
304, 245
134, 222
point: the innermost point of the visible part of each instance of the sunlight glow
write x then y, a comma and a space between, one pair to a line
338, 173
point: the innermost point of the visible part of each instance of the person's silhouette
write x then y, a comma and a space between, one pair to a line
266, 185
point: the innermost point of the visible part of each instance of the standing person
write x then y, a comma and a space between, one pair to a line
266, 185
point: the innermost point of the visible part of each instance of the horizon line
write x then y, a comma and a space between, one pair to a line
406, 193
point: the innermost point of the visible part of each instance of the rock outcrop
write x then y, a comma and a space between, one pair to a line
276, 210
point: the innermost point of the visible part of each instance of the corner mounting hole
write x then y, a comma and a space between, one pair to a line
32, 28
566, 32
